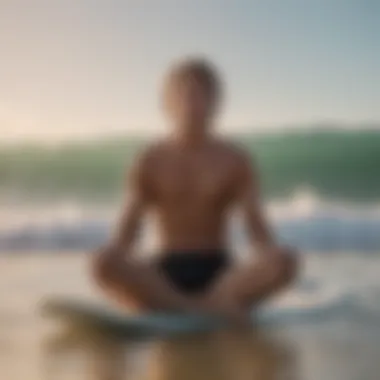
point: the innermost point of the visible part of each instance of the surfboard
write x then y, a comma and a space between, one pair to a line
107, 318
87, 315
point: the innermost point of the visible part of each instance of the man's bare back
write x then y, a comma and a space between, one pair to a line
191, 182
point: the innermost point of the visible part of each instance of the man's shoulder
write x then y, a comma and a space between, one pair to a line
144, 160
151, 151
233, 151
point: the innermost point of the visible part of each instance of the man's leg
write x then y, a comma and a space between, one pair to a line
140, 285
137, 285
246, 286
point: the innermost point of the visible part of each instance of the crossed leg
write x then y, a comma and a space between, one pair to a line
140, 285
137, 285
248, 285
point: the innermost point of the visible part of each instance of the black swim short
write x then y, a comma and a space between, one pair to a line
193, 271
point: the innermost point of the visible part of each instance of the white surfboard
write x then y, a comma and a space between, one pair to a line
97, 315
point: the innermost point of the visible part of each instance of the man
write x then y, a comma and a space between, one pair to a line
191, 181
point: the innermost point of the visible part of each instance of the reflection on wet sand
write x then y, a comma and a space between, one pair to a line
225, 355
74, 355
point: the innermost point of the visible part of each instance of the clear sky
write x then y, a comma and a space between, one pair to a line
81, 67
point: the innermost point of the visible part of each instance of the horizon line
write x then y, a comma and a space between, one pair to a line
287, 128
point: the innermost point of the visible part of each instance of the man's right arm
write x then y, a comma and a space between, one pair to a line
137, 200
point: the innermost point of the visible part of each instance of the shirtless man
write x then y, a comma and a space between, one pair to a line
192, 181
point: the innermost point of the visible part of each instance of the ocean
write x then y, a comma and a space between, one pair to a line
336, 164
321, 193
320, 188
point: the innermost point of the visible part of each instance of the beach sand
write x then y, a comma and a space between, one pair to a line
32, 348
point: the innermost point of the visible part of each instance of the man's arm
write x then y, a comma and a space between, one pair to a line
249, 202
134, 208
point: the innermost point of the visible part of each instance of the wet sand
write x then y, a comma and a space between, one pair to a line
34, 348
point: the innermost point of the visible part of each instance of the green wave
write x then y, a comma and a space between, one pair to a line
335, 164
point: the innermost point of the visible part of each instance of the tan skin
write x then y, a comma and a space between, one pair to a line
191, 182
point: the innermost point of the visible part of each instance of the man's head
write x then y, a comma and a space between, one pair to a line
192, 93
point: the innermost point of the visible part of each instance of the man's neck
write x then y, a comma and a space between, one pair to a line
193, 138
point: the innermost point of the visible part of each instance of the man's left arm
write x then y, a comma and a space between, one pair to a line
283, 261
250, 204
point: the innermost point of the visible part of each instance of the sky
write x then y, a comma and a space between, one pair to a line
81, 68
